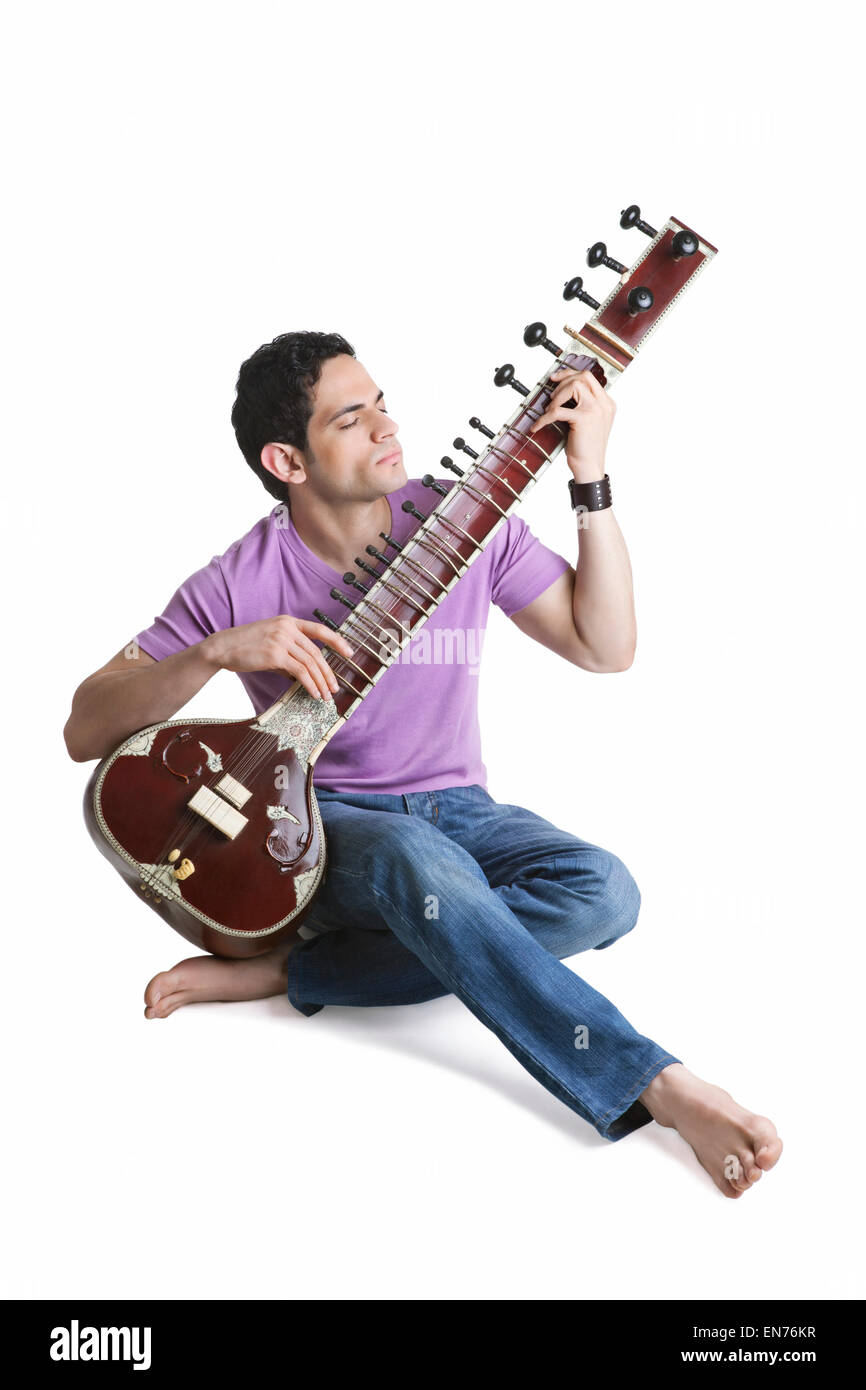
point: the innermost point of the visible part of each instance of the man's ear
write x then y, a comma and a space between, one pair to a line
284, 461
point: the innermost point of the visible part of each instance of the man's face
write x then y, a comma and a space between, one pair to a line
352, 439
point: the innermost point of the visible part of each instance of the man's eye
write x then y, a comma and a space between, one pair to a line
354, 422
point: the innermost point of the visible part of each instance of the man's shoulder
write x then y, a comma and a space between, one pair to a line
255, 543
243, 566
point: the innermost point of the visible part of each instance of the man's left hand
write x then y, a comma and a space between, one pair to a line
588, 423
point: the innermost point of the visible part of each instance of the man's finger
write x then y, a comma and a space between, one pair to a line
548, 418
564, 391
593, 384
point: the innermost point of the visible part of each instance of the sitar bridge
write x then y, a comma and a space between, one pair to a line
217, 812
233, 791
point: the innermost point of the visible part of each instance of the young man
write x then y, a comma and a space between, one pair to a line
432, 887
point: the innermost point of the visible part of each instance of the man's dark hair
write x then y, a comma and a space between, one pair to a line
274, 401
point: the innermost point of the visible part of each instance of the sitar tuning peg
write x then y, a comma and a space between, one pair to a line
460, 443
574, 290
323, 618
504, 376
597, 255
685, 243
409, 507
639, 300
448, 463
535, 335
395, 545
429, 481
354, 582
341, 597
476, 424
630, 217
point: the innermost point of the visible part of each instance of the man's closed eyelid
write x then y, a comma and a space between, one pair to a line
354, 422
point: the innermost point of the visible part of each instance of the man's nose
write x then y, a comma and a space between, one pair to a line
385, 426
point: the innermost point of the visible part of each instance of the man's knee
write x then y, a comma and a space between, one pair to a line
619, 900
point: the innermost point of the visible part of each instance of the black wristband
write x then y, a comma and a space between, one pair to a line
590, 497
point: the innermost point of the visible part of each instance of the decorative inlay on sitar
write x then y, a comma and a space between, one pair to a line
214, 823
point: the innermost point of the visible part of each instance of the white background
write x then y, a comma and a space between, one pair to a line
184, 182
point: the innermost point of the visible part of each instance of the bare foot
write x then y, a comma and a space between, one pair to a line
735, 1146
200, 978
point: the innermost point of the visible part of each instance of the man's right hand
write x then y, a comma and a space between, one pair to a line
282, 644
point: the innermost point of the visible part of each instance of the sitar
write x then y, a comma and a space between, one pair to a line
214, 823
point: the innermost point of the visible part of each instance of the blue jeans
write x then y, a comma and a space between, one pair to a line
448, 891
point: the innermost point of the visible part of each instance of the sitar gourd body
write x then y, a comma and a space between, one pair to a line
231, 864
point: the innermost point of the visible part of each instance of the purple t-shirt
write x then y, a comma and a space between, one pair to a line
417, 730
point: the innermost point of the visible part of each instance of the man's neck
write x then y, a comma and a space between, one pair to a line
337, 532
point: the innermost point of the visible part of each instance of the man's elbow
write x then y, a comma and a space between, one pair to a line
605, 664
612, 667
77, 752
78, 747
626, 657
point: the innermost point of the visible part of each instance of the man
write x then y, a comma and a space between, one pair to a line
432, 887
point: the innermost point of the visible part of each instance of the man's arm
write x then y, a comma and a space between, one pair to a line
587, 615
128, 693
131, 691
